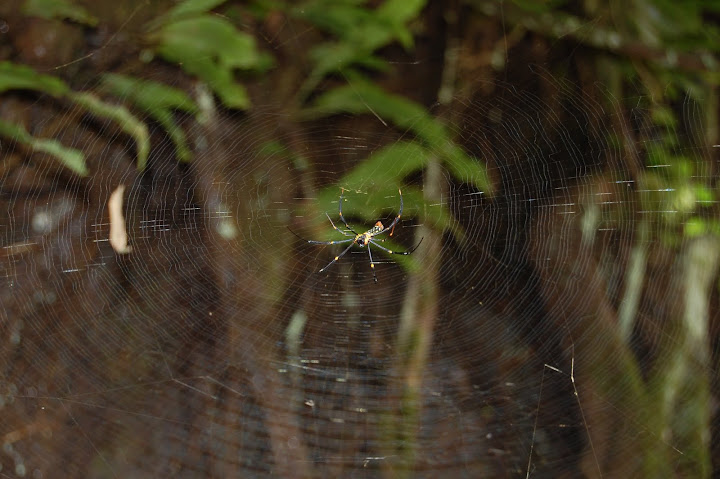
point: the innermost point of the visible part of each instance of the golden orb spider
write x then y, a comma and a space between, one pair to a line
361, 239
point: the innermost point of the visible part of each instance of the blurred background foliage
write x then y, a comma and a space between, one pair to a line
652, 64
667, 52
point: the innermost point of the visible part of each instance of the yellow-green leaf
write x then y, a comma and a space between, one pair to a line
70, 157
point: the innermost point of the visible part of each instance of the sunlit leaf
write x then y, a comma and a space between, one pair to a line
60, 10
21, 77
69, 157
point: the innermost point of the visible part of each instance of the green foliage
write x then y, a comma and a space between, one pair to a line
275, 148
70, 157
363, 208
209, 47
21, 77
360, 33
697, 226
672, 184
122, 117
388, 167
364, 97
158, 101
680, 25
190, 9
59, 10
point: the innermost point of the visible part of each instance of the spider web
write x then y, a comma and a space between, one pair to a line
214, 348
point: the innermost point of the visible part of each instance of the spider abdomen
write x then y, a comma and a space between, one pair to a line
364, 238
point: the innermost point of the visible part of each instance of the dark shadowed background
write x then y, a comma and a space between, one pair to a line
163, 162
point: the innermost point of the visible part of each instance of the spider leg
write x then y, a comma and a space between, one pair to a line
320, 242
338, 256
342, 192
397, 218
338, 229
372, 264
398, 252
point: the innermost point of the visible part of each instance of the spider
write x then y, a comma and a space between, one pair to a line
361, 239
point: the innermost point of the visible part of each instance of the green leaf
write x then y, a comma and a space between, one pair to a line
714, 226
231, 93
69, 157
397, 13
695, 227
658, 155
363, 97
60, 10
465, 168
211, 48
158, 101
662, 115
340, 19
703, 194
381, 202
190, 8
149, 95
21, 77
330, 57
362, 208
682, 167
361, 31
388, 167
204, 37
120, 115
